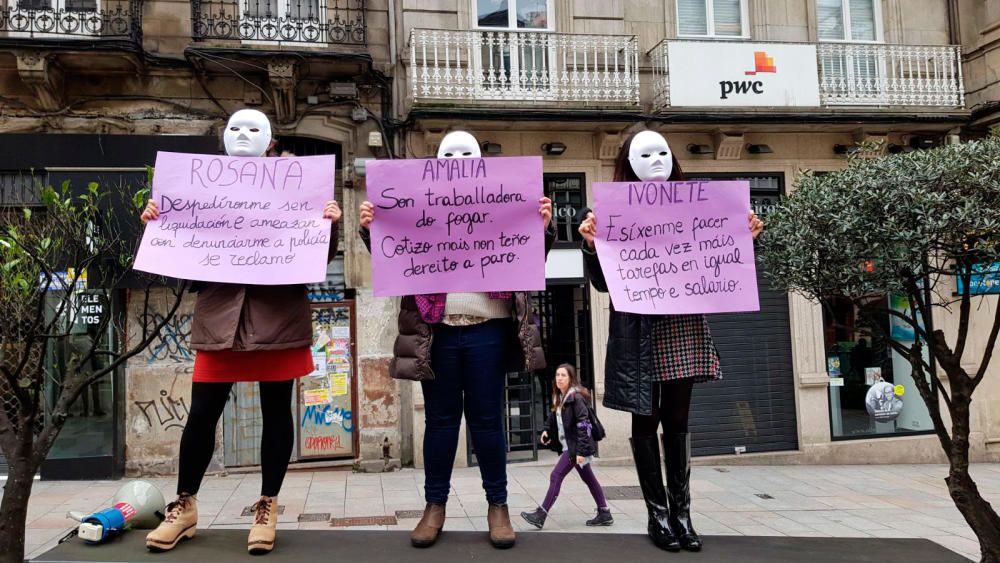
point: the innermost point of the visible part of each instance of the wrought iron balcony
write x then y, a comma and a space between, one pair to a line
72, 19
308, 22
864, 74
533, 67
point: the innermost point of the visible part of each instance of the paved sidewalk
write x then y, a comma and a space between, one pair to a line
899, 501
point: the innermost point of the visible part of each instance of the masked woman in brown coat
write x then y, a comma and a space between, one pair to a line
460, 347
259, 333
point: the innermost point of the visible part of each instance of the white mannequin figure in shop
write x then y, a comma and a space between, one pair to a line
681, 354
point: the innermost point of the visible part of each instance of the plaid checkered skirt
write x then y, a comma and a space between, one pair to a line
683, 348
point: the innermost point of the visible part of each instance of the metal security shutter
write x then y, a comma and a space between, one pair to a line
753, 407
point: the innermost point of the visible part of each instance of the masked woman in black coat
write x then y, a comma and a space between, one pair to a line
652, 364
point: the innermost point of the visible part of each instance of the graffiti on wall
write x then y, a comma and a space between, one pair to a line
328, 415
166, 412
323, 443
174, 341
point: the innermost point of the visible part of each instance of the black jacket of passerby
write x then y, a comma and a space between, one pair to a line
576, 424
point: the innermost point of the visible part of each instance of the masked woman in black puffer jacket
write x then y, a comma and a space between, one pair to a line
570, 424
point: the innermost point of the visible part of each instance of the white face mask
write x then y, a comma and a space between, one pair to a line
459, 144
650, 157
248, 133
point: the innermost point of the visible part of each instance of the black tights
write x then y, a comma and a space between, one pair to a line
208, 400
671, 405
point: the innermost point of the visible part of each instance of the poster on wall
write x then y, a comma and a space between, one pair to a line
326, 396
985, 280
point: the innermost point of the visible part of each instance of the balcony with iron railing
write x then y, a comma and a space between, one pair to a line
483, 67
863, 75
269, 22
71, 19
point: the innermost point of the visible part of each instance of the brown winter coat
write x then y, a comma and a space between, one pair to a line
411, 353
242, 317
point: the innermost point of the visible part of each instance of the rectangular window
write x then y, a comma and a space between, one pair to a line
514, 14
847, 20
712, 18
307, 10
872, 389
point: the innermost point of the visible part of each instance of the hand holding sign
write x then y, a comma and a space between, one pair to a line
453, 225
676, 247
239, 219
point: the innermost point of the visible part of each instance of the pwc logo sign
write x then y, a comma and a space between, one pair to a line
762, 64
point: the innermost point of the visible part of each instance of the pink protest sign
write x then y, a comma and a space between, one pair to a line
676, 247
453, 225
239, 219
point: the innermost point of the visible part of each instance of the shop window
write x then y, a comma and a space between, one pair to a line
569, 201
712, 18
872, 391
21, 188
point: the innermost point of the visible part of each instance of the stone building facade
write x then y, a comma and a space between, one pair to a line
565, 79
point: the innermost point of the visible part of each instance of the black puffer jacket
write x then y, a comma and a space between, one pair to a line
628, 365
576, 424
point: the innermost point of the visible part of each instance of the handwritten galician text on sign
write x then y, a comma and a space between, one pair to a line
676, 247
238, 219
449, 225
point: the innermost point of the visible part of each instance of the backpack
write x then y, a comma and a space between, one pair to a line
597, 429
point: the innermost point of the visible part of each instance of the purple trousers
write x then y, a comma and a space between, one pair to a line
561, 470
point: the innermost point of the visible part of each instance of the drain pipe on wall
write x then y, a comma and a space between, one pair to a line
954, 32
392, 32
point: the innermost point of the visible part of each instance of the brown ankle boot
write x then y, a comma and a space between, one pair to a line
429, 527
265, 525
501, 531
180, 523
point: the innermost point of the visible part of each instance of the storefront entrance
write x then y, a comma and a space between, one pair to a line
753, 409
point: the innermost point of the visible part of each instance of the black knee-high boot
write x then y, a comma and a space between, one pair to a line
646, 451
677, 456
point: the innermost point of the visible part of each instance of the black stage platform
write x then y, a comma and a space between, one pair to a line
307, 546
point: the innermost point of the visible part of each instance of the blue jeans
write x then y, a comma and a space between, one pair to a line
469, 366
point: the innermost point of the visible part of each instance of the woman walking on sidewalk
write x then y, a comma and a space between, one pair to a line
570, 423
259, 333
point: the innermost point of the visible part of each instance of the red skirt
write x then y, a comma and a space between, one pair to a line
226, 366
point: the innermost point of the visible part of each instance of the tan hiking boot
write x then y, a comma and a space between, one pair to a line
179, 523
429, 527
501, 531
265, 526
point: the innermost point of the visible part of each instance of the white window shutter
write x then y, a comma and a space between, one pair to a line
863, 20
830, 19
728, 17
692, 17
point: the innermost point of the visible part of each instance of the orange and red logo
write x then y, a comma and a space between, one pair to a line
762, 63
